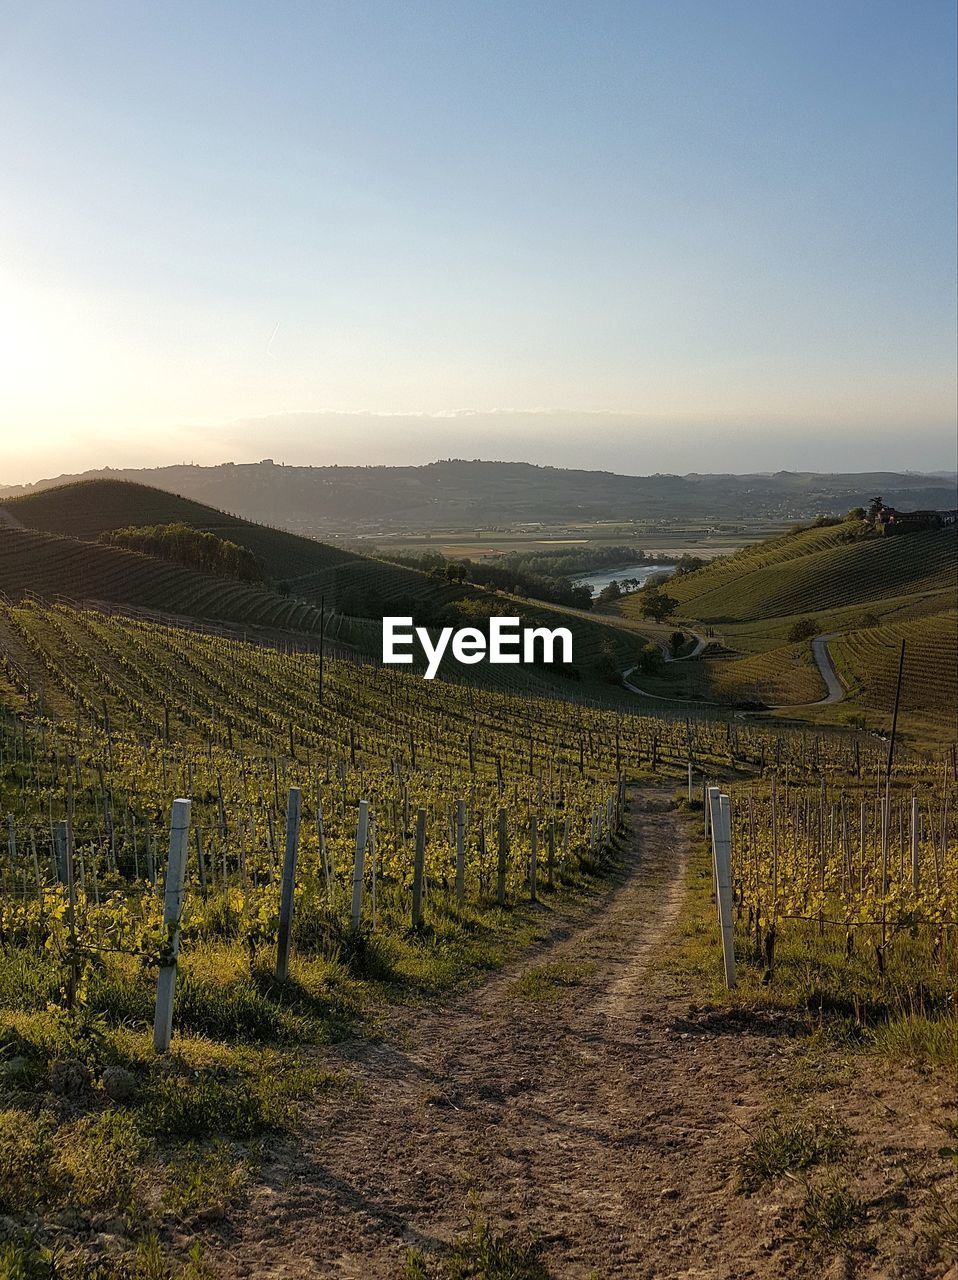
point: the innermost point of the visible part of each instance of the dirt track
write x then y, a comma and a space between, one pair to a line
604, 1124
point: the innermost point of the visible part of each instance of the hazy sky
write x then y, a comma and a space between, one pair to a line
725, 229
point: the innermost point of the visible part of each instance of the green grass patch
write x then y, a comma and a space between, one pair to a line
206, 1177
483, 1254
546, 983
831, 1210
789, 1144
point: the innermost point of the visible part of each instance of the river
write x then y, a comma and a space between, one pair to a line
600, 578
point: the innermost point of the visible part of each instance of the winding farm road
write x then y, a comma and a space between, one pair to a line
823, 660
836, 690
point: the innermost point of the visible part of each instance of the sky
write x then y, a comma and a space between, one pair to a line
658, 235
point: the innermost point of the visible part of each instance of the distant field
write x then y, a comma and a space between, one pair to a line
703, 540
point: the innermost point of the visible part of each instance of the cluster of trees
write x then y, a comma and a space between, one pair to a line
502, 575
195, 548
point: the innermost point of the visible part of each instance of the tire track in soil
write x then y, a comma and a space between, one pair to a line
604, 1125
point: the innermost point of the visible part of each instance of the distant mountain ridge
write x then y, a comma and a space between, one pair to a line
458, 493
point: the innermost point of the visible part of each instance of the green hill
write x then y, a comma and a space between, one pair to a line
867, 660
844, 580
311, 570
56, 552
814, 571
49, 566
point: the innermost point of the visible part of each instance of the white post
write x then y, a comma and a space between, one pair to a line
172, 909
293, 809
361, 832
721, 822
460, 851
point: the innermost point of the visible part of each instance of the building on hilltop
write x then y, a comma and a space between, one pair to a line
890, 520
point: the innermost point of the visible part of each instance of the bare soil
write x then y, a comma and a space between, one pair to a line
604, 1123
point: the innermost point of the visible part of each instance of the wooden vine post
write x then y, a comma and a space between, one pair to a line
533, 858
418, 868
915, 866
293, 810
460, 851
362, 829
503, 857
172, 910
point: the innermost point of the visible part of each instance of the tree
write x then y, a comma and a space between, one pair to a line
611, 593
656, 604
687, 564
676, 641
650, 659
803, 629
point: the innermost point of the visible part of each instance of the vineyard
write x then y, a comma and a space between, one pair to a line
762, 605
220, 854
868, 659
50, 565
815, 571
779, 677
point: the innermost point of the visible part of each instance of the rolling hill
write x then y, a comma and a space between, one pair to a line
48, 565
844, 580
817, 570
49, 546
455, 493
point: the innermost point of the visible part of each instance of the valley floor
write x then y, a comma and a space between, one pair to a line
585, 1109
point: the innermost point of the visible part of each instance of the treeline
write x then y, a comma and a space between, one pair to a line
572, 562
185, 545
503, 574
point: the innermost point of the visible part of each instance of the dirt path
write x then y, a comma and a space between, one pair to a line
603, 1123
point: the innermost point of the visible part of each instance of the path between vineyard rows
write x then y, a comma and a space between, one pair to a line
604, 1125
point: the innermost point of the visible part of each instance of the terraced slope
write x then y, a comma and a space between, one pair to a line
843, 580
92, 507
816, 570
48, 565
349, 582
58, 555
867, 661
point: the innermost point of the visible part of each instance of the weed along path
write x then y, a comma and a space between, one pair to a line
576, 1109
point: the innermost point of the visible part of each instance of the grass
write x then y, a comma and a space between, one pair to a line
207, 1177
26, 1259
788, 1144
547, 983
482, 1254
831, 1210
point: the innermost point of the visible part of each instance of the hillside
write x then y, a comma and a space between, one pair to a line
866, 590
817, 570
459, 494
351, 583
56, 552
46, 565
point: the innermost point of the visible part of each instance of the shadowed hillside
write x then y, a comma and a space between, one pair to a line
56, 551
